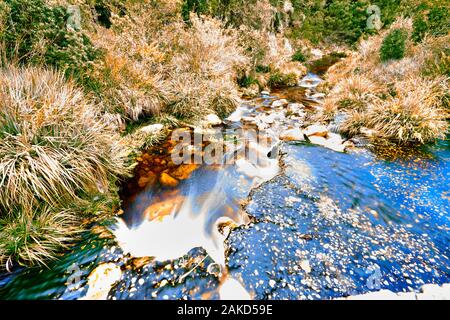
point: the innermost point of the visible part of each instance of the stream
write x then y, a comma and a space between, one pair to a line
294, 221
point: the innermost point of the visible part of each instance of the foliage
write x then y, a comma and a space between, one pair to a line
435, 22
37, 33
393, 46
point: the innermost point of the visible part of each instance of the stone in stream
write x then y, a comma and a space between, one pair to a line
212, 120
280, 103
101, 280
296, 109
292, 135
333, 142
167, 180
316, 130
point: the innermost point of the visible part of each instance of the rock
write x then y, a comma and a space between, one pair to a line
212, 120
434, 292
305, 266
167, 180
149, 178
292, 135
236, 116
280, 103
184, 171
335, 142
265, 93
151, 129
101, 280
316, 130
295, 109
378, 295
163, 208
321, 141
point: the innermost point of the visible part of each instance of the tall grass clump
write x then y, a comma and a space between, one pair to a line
402, 97
54, 153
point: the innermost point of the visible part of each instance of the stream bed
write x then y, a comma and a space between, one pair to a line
306, 223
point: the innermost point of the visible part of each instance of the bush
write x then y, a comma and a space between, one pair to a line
341, 21
53, 144
393, 46
278, 79
435, 22
36, 32
299, 56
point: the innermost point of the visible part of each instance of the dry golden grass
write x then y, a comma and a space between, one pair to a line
52, 142
396, 100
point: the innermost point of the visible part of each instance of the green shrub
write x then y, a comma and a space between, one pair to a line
435, 21
299, 56
37, 33
335, 21
393, 46
196, 6
278, 79
246, 81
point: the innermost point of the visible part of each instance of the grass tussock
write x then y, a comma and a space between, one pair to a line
397, 92
36, 237
54, 150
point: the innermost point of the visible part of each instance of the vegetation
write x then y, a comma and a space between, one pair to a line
402, 100
54, 150
393, 46
74, 97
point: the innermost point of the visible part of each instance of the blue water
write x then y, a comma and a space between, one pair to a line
331, 225
357, 221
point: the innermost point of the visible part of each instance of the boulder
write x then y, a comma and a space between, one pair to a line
292, 135
167, 180
151, 129
316, 130
280, 103
321, 141
212, 120
295, 109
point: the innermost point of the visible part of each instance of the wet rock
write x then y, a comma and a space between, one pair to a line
152, 129
186, 278
293, 135
280, 103
184, 171
321, 141
168, 181
295, 109
434, 292
335, 142
316, 130
265, 93
163, 208
212, 120
148, 179
101, 280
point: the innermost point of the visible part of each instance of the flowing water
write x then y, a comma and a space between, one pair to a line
297, 221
